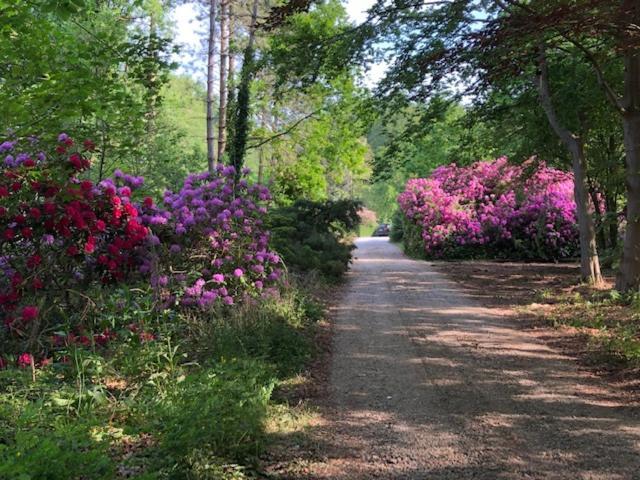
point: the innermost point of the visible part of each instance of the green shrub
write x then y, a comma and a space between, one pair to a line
412, 239
312, 236
397, 227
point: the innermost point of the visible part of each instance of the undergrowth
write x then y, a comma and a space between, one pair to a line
608, 319
192, 401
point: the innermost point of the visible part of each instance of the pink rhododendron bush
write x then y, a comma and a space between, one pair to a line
491, 209
65, 240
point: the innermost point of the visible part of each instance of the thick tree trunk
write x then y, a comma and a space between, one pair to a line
211, 51
589, 261
629, 275
224, 64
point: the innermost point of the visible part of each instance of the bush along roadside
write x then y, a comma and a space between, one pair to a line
143, 339
525, 211
316, 236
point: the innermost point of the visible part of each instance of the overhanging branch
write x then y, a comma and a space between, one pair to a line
288, 130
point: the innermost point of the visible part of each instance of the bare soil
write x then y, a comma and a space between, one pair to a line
434, 379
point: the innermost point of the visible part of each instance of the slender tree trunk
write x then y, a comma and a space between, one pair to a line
211, 51
224, 64
600, 216
612, 220
260, 165
231, 78
103, 152
589, 261
152, 85
232, 58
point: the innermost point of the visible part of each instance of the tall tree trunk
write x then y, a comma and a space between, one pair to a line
260, 165
589, 262
628, 278
599, 217
224, 64
103, 151
612, 219
629, 275
152, 84
211, 51
231, 79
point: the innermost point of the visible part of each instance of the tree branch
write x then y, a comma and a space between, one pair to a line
611, 95
290, 129
542, 82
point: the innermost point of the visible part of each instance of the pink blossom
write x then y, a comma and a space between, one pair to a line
25, 360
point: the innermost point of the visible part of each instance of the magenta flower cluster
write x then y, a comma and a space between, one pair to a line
494, 208
208, 243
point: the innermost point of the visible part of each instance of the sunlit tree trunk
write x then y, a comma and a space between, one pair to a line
589, 261
231, 78
224, 64
211, 50
260, 165
152, 84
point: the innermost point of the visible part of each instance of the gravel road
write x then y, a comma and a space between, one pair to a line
427, 384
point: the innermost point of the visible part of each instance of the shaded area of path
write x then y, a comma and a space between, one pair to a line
428, 384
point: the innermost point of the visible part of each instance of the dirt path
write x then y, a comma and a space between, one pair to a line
427, 384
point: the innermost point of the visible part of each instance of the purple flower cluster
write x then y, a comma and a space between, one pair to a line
495, 207
209, 242
11, 159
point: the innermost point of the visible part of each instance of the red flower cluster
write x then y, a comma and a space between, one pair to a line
57, 230
84, 340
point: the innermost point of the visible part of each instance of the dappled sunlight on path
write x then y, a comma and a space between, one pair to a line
428, 384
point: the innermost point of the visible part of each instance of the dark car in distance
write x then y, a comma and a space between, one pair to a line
382, 230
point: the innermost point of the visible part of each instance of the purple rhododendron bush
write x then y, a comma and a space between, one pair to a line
491, 209
208, 243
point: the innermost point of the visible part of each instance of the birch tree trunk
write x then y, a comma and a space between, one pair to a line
232, 58
224, 63
589, 261
211, 50
231, 78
